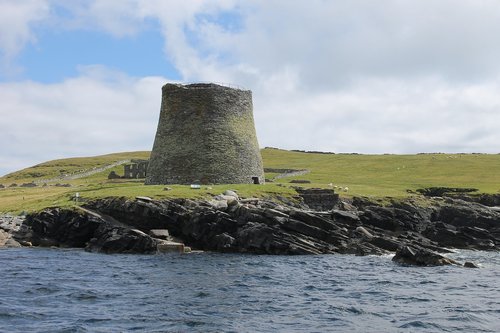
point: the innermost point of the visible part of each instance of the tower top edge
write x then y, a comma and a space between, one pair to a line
202, 85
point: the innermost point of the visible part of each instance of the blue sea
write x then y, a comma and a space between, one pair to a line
69, 290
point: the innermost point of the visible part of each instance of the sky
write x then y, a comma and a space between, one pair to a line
84, 77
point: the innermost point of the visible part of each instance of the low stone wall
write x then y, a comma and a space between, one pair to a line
282, 173
319, 199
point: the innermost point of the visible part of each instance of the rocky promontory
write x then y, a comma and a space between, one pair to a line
418, 229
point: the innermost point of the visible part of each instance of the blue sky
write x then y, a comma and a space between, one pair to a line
58, 55
82, 78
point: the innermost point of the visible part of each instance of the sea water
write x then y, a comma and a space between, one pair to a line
56, 290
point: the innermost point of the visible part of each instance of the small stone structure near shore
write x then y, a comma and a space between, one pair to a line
206, 134
319, 199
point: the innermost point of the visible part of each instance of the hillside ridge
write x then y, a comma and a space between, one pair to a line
375, 176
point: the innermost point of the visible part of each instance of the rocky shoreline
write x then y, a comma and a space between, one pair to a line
418, 229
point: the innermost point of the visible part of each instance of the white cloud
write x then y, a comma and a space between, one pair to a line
102, 111
360, 76
397, 76
16, 21
96, 113
384, 116
336, 41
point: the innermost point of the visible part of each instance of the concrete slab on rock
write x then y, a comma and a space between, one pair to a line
171, 247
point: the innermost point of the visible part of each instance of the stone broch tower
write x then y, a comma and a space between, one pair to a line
205, 134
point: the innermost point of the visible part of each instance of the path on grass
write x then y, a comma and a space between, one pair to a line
282, 173
82, 174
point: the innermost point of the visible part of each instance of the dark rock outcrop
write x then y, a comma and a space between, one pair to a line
61, 227
464, 224
416, 230
261, 226
420, 257
9, 227
79, 228
113, 239
441, 191
469, 264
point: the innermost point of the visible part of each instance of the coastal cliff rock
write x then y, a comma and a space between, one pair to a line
415, 230
114, 239
421, 257
79, 228
9, 225
60, 227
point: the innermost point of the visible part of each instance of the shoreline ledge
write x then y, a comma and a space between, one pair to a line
417, 229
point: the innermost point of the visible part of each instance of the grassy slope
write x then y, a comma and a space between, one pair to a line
392, 175
60, 167
369, 175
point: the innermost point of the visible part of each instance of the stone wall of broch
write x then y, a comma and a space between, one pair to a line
205, 134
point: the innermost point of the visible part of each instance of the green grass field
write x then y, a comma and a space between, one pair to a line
375, 176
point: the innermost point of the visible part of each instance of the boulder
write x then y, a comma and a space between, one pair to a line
251, 201
420, 257
363, 232
159, 233
113, 175
469, 264
231, 193
145, 199
3, 237
218, 204
12, 243
170, 247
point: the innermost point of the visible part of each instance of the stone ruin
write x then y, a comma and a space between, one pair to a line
206, 134
318, 198
137, 169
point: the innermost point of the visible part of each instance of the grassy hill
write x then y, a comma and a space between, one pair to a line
367, 175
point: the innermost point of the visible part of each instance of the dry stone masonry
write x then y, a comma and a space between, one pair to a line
206, 134
137, 169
